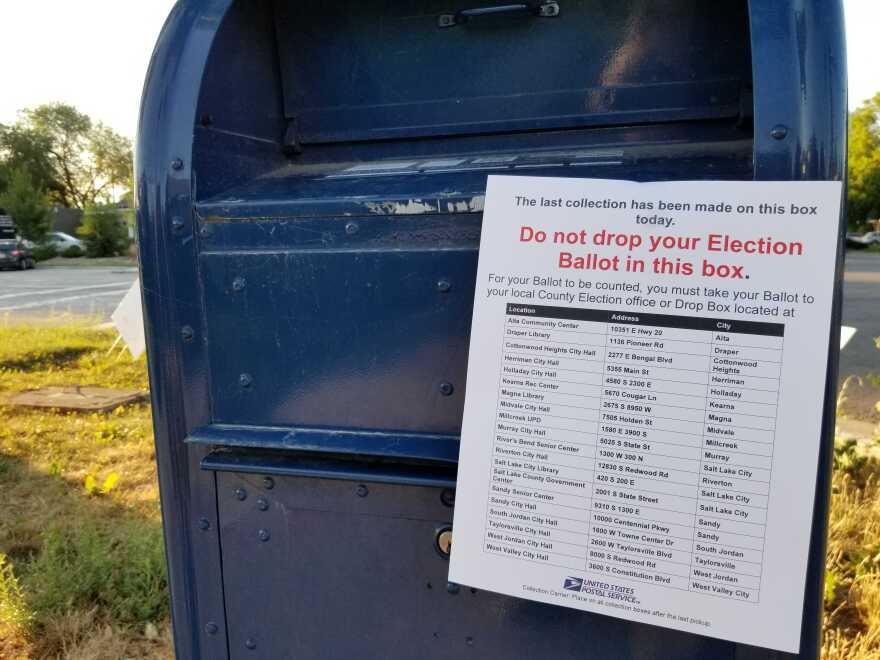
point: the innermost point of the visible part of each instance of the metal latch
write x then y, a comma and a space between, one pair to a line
542, 10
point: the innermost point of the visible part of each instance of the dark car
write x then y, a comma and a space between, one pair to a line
14, 254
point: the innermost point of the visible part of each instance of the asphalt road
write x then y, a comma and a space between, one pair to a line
861, 310
58, 293
49, 293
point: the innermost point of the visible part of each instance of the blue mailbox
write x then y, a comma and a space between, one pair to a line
310, 181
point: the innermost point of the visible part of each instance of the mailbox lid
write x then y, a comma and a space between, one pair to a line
378, 69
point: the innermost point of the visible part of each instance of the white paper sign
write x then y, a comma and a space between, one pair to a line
644, 397
128, 317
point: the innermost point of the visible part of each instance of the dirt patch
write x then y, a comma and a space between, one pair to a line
76, 398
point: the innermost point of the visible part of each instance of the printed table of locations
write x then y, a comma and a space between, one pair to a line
647, 412
638, 446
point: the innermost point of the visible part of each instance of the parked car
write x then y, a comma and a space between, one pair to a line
61, 241
14, 254
859, 241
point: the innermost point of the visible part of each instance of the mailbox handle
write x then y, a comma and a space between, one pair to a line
542, 10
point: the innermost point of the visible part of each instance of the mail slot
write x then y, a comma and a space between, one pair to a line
310, 179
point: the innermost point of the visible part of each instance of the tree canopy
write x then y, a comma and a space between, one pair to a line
864, 163
78, 162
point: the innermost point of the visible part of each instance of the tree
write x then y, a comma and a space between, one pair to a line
28, 206
112, 155
103, 231
24, 148
80, 163
863, 197
4, 166
4, 177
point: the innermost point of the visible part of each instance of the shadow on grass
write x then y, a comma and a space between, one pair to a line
42, 360
75, 554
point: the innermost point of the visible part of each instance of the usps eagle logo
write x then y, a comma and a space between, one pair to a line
573, 583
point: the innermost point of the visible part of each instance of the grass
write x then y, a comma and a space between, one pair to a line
82, 570
852, 580
82, 573
88, 262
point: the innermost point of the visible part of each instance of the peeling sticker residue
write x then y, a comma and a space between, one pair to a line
474, 204
411, 207
418, 206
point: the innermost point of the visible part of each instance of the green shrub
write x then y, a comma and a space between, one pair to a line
13, 610
104, 231
72, 252
44, 252
848, 458
28, 206
119, 567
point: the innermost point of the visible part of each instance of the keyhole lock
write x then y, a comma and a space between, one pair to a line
443, 542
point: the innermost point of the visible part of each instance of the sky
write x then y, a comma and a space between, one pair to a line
94, 54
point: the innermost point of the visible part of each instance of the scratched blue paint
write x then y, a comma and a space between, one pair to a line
335, 155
